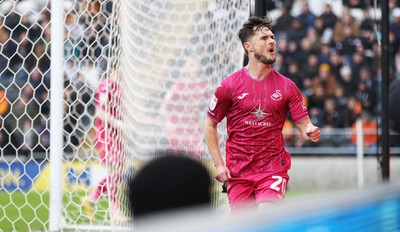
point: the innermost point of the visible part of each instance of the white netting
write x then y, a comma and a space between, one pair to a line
174, 55
158, 63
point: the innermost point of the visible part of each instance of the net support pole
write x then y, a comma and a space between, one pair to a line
56, 112
385, 93
360, 153
259, 7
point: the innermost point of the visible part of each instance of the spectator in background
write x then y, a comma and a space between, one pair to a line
317, 98
39, 58
283, 22
341, 99
336, 63
4, 104
311, 67
367, 31
283, 47
7, 139
305, 49
345, 27
320, 28
393, 50
366, 76
297, 30
8, 60
306, 17
325, 53
331, 116
315, 118
355, 3
394, 35
169, 182
307, 90
326, 79
353, 110
24, 116
278, 65
294, 54
13, 22
296, 75
346, 80
395, 23
357, 62
366, 97
397, 65
24, 49
5, 128
346, 47
392, 4
314, 39
328, 17
369, 127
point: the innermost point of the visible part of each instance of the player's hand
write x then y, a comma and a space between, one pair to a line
313, 133
222, 173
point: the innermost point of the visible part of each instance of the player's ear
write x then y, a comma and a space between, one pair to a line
247, 46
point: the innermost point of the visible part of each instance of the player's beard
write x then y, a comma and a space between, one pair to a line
264, 59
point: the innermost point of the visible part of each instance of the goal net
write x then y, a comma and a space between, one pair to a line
138, 76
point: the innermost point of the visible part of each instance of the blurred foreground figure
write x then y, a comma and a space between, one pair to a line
168, 183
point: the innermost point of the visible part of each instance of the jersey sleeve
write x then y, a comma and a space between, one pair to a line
101, 96
220, 102
297, 108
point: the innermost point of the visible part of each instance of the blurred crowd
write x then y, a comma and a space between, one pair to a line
336, 62
25, 37
334, 59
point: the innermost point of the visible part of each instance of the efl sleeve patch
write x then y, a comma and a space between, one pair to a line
213, 103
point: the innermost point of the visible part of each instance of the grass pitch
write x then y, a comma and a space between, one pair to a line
21, 211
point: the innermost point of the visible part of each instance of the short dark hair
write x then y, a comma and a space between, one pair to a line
252, 25
172, 181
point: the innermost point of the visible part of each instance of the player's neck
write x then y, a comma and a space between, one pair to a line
258, 70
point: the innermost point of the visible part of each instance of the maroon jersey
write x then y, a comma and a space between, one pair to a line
256, 111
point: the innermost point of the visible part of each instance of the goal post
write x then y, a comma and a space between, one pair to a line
92, 89
56, 112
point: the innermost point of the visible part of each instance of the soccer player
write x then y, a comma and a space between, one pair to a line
183, 125
255, 101
108, 142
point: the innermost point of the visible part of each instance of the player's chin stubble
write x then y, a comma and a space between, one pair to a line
265, 60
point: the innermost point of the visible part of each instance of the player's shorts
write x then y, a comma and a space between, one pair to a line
111, 153
252, 189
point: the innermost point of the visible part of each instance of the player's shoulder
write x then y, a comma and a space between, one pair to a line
280, 75
234, 78
284, 79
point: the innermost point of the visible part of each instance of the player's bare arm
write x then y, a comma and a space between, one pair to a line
211, 134
111, 120
308, 131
